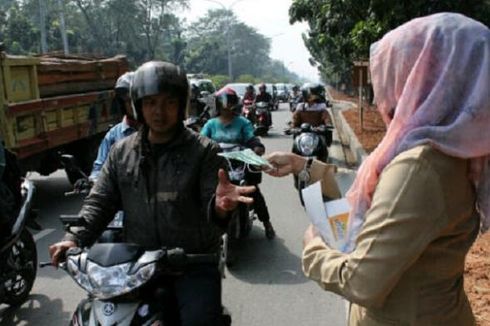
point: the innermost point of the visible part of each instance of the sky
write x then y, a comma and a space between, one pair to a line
270, 18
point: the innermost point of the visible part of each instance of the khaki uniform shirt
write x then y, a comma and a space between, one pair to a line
407, 268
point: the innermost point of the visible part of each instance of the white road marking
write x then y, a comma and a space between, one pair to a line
42, 234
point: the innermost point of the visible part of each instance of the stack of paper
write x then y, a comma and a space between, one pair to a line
330, 218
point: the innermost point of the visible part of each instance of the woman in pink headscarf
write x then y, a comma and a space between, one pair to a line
420, 199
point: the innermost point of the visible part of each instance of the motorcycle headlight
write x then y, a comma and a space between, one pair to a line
108, 282
307, 144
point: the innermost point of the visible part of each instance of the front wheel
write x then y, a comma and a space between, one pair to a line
19, 269
261, 131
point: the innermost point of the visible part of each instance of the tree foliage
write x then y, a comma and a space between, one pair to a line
143, 30
342, 31
218, 31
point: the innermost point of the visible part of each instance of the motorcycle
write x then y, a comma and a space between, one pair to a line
197, 122
248, 110
311, 142
263, 119
114, 231
242, 218
18, 253
293, 101
126, 284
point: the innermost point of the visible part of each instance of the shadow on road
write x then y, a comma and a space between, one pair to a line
38, 307
262, 261
276, 134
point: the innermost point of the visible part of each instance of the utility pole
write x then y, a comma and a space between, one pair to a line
61, 8
228, 47
42, 22
228, 34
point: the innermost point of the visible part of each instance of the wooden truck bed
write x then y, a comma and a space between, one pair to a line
46, 102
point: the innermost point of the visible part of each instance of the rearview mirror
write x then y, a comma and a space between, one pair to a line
68, 161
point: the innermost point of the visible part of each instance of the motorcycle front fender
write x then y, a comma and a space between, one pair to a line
91, 312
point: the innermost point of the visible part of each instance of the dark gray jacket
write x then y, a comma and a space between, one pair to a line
167, 201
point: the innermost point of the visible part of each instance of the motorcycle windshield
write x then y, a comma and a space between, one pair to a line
110, 254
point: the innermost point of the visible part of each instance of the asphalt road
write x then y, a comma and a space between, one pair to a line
265, 287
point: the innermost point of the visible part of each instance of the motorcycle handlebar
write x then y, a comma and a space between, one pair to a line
297, 131
72, 193
43, 264
175, 257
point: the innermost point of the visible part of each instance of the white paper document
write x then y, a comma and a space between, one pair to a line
330, 218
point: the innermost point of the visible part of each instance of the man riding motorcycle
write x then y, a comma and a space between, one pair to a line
165, 179
264, 96
230, 127
123, 129
313, 109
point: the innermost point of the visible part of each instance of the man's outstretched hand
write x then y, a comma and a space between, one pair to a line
228, 195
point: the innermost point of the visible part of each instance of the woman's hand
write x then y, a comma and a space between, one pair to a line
310, 234
284, 164
228, 195
57, 251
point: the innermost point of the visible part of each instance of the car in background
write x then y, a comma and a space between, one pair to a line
282, 92
239, 88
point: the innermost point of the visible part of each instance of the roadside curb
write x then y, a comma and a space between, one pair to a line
354, 152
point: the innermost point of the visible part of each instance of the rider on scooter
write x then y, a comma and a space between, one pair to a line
264, 96
313, 109
230, 127
171, 186
249, 94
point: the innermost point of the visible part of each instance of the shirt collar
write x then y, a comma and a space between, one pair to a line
125, 125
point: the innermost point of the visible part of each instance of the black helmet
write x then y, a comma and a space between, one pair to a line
156, 77
121, 91
313, 92
250, 88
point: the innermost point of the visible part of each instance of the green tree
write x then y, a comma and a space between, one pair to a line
247, 79
208, 45
18, 33
220, 80
341, 31
142, 29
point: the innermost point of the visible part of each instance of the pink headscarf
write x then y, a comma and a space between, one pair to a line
434, 72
